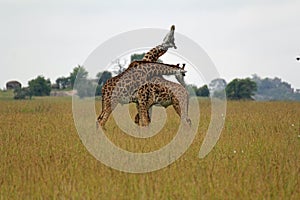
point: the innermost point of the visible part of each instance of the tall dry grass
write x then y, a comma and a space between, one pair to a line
257, 156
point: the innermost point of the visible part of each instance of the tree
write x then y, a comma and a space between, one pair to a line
273, 89
79, 72
120, 65
241, 89
217, 87
85, 88
102, 78
202, 91
63, 82
137, 57
40, 86
192, 89
22, 93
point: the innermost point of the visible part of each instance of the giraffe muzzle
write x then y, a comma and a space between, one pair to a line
182, 71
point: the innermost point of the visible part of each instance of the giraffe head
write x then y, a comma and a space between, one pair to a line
173, 28
180, 72
169, 39
180, 77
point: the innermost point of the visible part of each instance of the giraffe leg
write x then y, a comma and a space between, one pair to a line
106, 111
143, 115
142, 118
137, 117
103, 117
149, 114
176, 106
183, 116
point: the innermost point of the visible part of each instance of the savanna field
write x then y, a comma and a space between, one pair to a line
256, 157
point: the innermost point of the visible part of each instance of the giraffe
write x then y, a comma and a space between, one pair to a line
161, 91
120, 88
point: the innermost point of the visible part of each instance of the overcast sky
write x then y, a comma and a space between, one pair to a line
51, 37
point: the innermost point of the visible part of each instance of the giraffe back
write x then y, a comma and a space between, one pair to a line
137, 74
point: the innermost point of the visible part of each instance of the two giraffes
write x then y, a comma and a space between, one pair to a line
143, 84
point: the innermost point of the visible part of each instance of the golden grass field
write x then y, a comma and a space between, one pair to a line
256, 157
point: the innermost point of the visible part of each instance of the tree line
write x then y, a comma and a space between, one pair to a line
85, 87
254, 88
41, 86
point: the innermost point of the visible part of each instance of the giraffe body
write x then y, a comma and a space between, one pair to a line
120, 89
164, 93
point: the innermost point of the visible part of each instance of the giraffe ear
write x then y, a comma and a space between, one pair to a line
183, 65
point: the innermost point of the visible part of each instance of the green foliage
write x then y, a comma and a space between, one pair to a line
220, 94
85, 88
296, 96
79, 72
102, 78
217, 84
40, 86
137, 57
274, 89
241, 89
63, 82
202, 91
217, 88
22, 93
192, 89
195, 91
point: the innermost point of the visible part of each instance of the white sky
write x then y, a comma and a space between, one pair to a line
50, 38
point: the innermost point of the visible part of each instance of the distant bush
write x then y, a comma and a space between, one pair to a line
241, 89
22, 93
40, 86
274, 89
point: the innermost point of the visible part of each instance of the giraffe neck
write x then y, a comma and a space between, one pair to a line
158, 69
152, 68
180, 79
155, 53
